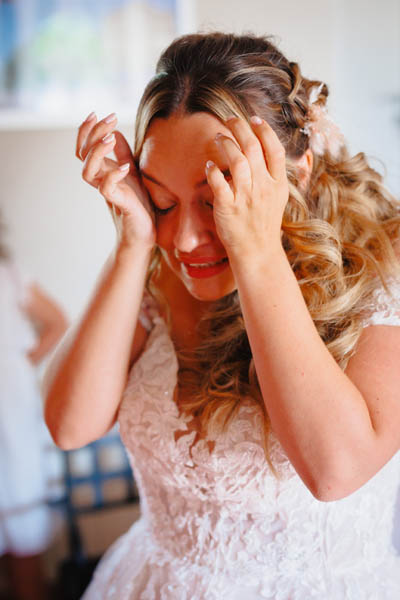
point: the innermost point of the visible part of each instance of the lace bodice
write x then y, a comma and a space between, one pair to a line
222, 525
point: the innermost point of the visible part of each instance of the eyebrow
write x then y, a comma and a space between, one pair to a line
197, 185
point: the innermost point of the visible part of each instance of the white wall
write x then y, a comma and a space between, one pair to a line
366, 54
58, 226
352, 45
298, 27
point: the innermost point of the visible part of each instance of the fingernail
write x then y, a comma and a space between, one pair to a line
209, 164
230, 118
90, 117
110, 137
218, 137
110, 118
256, 120
124, 167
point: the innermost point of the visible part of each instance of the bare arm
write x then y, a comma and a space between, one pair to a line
48, 319
337, 428
86, 379
84, 382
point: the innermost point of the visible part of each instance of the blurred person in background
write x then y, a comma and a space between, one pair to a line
245, 333
31, 323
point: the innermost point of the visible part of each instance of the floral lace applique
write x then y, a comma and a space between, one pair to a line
385, 309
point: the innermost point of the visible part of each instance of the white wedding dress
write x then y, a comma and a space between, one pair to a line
222, 525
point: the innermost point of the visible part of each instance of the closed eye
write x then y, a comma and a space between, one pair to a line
158, 210
162, 211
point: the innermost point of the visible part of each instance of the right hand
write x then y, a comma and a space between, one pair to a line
122, 188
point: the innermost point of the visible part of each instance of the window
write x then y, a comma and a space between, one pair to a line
61, 59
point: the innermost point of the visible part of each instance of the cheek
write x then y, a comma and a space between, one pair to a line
164, 237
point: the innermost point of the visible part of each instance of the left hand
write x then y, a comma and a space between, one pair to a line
248, 210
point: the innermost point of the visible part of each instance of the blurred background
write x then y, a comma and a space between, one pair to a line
61, 59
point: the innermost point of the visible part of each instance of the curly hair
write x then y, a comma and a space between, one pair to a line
338, 232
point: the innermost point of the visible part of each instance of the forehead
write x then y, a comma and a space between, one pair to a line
186, 140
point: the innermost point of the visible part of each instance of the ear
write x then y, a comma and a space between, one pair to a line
305, 165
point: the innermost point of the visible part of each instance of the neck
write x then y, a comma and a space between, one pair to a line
185, 310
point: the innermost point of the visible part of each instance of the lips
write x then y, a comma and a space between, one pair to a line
204, 266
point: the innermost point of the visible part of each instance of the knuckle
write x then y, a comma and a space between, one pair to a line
86, 174
251, 146
104, 189
109, 177
239, 162
219, 188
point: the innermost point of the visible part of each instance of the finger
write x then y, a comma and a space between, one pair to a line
95, 159
122, 150
101, 129
274, 151
238, 164
249, 144
84, 131
217, 182
109, 188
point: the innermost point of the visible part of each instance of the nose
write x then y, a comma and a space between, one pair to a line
192, 230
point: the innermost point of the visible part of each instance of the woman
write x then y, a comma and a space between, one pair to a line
31, 325
258, 405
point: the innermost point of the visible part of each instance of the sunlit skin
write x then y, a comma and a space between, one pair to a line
172, 165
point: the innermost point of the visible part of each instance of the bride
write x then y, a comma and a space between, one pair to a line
245, 334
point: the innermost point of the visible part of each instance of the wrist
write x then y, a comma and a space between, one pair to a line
126, 252
266, 255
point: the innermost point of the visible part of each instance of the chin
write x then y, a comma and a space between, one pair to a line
205, 289
208, 290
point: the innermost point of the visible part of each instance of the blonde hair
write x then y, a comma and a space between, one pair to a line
338, 232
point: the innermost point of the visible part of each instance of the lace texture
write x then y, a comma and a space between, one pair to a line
222, 526
385, 309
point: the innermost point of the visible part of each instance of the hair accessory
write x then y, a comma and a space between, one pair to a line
324, 134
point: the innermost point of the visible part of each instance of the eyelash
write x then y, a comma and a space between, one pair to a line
164, 211
157, 209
